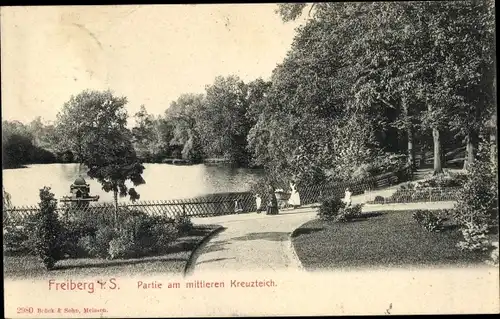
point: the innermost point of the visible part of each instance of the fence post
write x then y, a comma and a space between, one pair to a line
183, 210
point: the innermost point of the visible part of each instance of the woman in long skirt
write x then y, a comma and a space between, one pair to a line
272, 203
294, 200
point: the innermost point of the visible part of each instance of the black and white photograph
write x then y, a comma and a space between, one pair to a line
186, 160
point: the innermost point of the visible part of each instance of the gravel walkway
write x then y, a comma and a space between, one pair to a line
262, 242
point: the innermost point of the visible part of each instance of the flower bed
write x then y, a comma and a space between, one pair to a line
442, 188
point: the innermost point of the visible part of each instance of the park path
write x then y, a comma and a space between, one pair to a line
262, 242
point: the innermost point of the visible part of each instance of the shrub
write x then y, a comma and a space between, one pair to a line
102, 238
364, 171
164, 234
347, 214
86, 246
122, 246
70, 239
474, 237
494, 255
428, 220
138, 226
329, 208
20, 239
477, 201
183, 223
379, 199
47, 230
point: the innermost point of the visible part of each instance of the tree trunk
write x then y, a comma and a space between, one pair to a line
438, 168
115, 195
470, 149
409, 132
436, 138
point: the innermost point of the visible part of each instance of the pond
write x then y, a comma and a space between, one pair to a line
163, 181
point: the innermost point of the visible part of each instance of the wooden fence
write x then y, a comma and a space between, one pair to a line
209, 205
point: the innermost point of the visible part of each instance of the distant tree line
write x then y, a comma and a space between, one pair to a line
362, 84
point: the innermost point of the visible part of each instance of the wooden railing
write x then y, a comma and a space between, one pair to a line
209, 205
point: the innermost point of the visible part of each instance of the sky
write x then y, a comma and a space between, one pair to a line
150, 54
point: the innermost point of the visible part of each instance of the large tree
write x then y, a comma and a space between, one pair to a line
431, 62
222, 121
183, 115
143, 134
94, 124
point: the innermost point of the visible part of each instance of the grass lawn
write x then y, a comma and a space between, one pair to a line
385, 239
174, 262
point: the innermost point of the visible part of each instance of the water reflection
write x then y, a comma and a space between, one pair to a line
163, 181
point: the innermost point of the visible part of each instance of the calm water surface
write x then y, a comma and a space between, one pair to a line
163, 181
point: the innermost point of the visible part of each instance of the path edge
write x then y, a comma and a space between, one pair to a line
188, 268
292, 253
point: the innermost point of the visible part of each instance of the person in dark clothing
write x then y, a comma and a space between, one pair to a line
272, 202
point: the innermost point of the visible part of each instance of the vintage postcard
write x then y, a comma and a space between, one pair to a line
249, 159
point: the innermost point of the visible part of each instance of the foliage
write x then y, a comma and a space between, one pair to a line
330, 208
94, 125
47, 230
139, 234
477, 201
441, 181
183, 115
6, 199
494, 255
122, 246
19, 240
409, 66
222, 123
349, 213
414, 192
381, 164
70, 237
428, 220
379, 199
474, 237
99, 244
143, 136
183, 223
164, 234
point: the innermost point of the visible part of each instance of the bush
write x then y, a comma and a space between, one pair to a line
164, 234
85, 247
474, 237
330, 208
428, 220
70, 239
102, 238
139, 234
347, 214
379, 199
47, 230
183, 223
494, 255
20, 239
122, 246
477, 201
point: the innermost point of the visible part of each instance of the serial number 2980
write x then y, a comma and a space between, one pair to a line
24, 309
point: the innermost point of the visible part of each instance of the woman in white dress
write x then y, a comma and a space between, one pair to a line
258, 203
347, 197
294, 196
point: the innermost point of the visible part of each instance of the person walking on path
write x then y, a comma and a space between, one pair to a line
272, 202
347, 197
294, 199
258, 203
